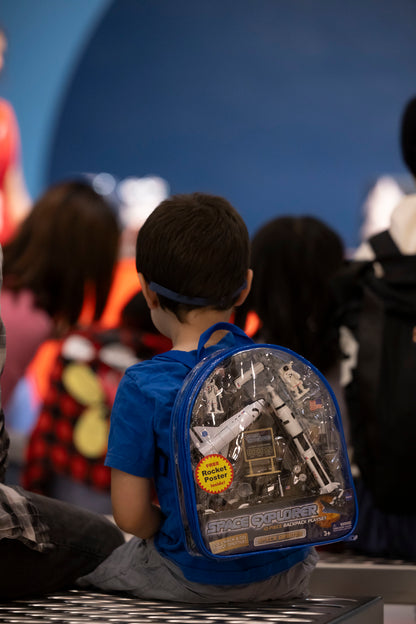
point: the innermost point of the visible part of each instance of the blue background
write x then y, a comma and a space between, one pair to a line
283, 106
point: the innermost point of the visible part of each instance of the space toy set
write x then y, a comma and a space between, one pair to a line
261, 460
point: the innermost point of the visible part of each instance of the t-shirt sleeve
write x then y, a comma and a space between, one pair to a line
131, 445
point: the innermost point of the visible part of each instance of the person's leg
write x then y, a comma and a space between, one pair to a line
138, 569
81, 540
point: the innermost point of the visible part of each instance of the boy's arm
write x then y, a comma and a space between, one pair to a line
133, 509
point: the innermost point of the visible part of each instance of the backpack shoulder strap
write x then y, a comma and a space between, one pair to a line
230, 327
383, 245
399, 270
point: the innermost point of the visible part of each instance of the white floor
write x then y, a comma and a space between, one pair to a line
400, 614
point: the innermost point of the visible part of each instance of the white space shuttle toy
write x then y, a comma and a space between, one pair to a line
212, 440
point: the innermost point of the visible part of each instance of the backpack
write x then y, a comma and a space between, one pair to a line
69, 440
260, 457
377, 303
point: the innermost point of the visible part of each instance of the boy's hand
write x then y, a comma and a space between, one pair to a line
133, 509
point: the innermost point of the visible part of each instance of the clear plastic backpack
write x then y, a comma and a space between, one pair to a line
260, 457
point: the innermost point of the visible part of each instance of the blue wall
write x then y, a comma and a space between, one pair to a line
283, 106
46, 40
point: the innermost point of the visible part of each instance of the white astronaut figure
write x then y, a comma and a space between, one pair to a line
292, 381
213, 397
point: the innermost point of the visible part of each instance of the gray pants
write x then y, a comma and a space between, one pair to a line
137, 568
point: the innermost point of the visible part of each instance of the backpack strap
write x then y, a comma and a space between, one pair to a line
236, 331
383, 245
370, 332
399, 270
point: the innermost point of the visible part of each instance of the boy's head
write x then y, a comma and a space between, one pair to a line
194, 251
408, 135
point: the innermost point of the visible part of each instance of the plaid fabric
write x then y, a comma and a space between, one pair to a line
19, 519
71, 433
70, 436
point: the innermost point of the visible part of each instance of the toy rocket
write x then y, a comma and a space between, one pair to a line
294, 429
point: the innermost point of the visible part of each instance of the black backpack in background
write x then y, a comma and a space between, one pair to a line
378, 305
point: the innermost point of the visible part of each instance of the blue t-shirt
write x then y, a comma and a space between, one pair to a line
139, 444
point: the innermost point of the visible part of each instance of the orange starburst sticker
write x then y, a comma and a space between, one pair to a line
214, 474
330, 517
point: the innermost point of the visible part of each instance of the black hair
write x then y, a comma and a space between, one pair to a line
294, 259
408, 135
196, 245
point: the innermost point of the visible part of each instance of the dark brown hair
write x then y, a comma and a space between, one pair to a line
196, 245
66, 247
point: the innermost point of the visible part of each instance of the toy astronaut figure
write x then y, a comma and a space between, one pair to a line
292, 381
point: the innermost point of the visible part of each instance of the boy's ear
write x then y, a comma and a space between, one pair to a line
150, 296
246, 290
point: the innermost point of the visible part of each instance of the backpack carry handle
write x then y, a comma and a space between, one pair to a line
222, 325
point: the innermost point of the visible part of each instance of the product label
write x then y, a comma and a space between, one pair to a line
214, 474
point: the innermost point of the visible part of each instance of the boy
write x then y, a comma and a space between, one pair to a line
192, 258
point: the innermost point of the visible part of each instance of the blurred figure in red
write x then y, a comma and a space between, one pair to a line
14, 198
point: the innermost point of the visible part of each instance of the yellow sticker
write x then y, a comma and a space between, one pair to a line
214, 474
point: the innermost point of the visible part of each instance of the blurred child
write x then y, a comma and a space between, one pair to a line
15, 201
47, 544
64, 250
